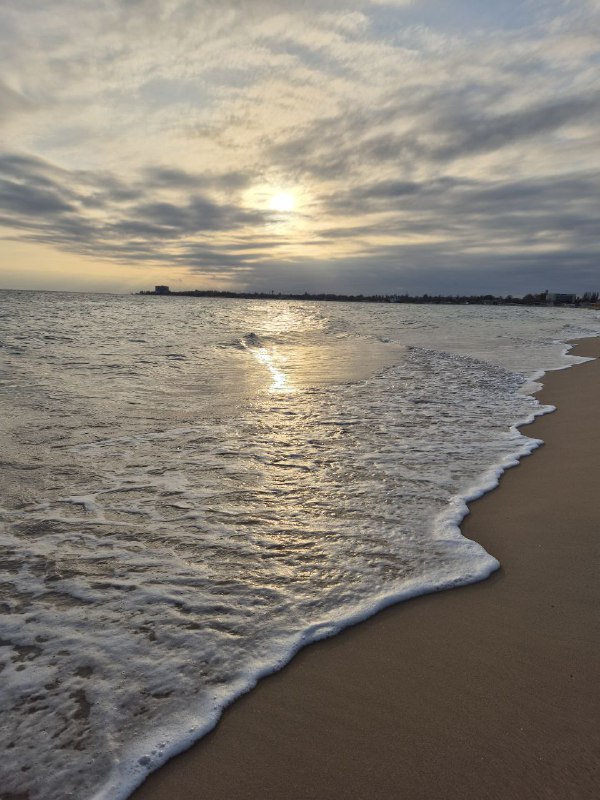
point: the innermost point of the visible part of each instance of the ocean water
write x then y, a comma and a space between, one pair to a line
193, 489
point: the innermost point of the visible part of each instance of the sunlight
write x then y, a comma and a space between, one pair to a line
278, 378
282, 202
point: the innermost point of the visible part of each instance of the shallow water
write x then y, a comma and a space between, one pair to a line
192, 489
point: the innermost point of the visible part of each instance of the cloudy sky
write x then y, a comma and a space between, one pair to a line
343, 145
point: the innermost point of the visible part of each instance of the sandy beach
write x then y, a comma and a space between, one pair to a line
488, 691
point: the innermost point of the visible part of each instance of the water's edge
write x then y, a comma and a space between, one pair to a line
150, 754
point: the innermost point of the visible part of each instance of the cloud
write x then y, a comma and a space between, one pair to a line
19, 199
95, 214
441, 129
11, 102
460, 224
156, 132
471, 134
174, 178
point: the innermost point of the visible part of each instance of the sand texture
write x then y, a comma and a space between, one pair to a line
490, 691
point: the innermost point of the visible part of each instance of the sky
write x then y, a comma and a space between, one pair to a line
352, 146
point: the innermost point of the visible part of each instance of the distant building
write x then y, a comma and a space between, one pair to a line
162, 290
556, 298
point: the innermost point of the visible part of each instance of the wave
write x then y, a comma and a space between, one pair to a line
156, 569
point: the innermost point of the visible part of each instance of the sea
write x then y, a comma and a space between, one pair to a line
193, 489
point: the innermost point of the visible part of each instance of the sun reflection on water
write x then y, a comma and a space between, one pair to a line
279, 380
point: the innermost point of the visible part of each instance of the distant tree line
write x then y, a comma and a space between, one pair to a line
541, 299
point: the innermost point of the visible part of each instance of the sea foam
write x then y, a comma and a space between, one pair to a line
175, 528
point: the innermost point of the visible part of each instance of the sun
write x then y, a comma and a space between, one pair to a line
283, 201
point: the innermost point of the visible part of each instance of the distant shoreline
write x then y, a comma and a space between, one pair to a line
588, 300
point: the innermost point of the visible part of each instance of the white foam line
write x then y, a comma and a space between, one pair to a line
147, 755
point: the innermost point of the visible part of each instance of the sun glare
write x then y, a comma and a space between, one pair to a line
283, 201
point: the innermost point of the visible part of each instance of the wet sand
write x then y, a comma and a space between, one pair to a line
488, 691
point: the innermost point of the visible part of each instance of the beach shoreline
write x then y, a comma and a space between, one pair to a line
483, 691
